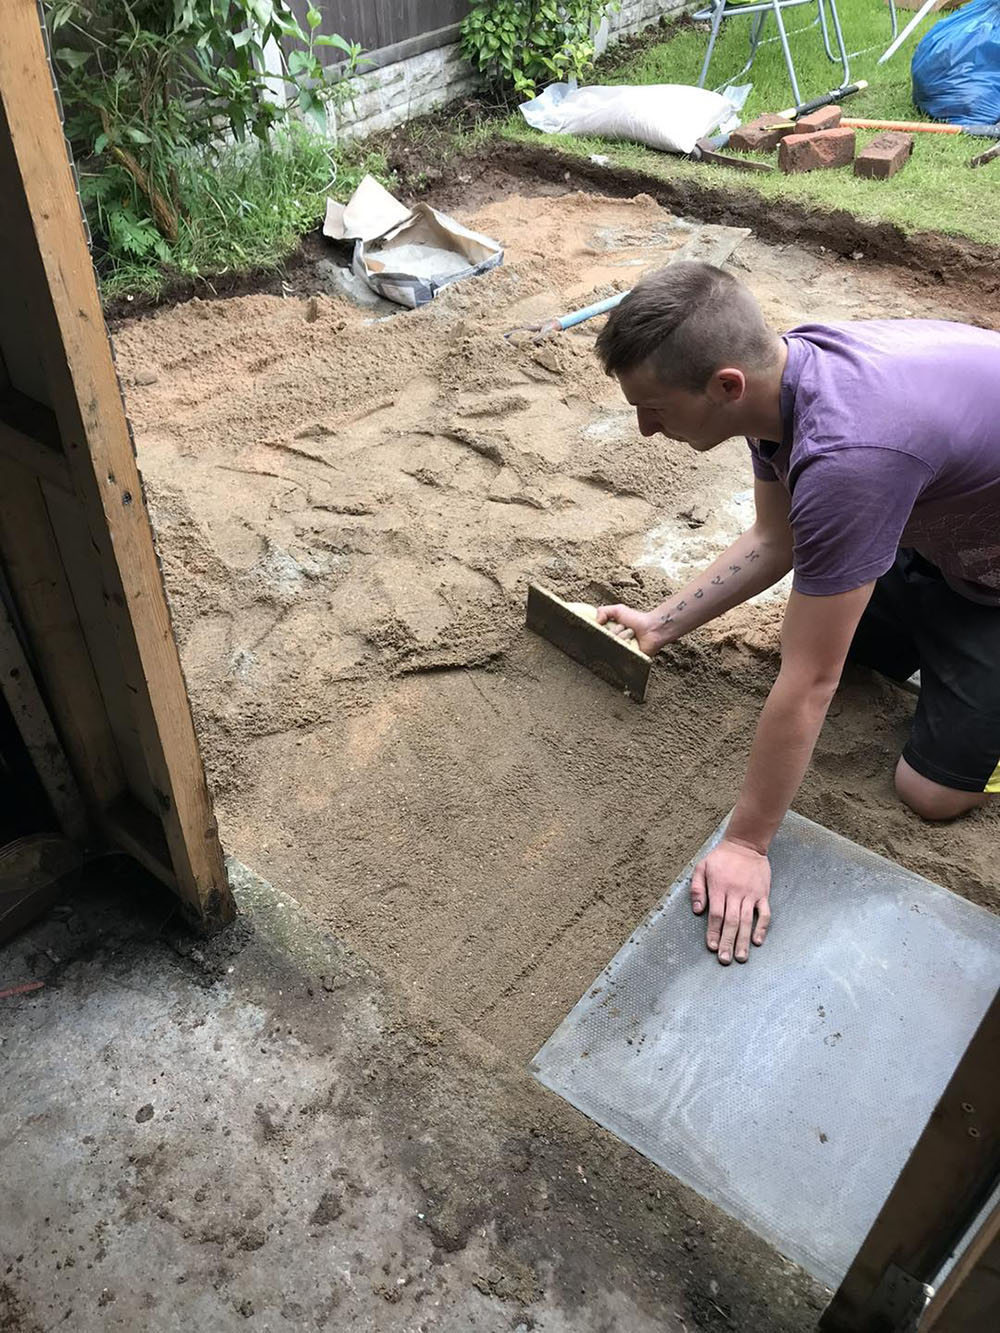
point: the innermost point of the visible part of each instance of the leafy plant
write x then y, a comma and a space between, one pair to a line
151, 86
522, 43
244, 210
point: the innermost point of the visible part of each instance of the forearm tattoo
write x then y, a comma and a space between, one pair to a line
717, 581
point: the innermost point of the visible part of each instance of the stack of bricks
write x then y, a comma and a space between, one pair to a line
761, 135
819, 141
826, 118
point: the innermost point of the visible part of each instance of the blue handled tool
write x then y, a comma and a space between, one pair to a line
567, 321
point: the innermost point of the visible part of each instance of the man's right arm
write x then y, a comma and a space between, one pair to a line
755, 561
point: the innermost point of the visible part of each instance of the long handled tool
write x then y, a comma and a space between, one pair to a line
924, 127
828, 99
982, 158
573, 627
709, 150
567, 321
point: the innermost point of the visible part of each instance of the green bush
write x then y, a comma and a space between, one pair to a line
161, 97
520, 44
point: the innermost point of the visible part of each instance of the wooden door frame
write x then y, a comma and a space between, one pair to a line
75, 536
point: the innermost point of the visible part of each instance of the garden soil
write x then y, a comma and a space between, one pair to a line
348, 512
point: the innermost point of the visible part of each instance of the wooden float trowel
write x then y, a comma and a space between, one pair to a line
572, 626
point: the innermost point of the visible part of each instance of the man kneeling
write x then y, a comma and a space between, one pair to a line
876, 458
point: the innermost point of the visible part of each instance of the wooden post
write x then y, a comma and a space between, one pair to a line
947, 1180
62, 418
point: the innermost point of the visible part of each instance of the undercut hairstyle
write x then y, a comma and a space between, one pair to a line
687, 321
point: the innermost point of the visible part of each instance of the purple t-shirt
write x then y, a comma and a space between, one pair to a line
891, 438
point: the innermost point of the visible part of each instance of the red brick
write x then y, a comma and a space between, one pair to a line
814, 152
826, 118
761, 135
884, 156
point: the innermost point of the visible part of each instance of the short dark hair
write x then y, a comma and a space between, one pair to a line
689, 320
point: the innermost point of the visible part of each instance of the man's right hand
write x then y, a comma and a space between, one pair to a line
753, 562
734, 883
643, 625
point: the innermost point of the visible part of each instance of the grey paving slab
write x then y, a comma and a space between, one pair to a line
790, 1090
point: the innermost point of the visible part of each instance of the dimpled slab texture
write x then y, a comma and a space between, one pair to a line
789, 1091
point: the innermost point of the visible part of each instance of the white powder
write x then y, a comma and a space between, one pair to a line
421, 261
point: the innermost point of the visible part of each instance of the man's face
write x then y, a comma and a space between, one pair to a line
701, 420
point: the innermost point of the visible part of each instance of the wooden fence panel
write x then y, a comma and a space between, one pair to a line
377, 24
356, 20
401, 19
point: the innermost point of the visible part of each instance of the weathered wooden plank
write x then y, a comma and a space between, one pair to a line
588, 644
29, 418
140, 833
29, 436
92, 599
378, 24
399, 20
49, 247
22, 362
355, 20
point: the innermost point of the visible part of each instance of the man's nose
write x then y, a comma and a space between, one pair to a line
648, 424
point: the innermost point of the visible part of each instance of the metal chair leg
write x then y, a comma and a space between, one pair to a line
788, 54
756, 28
841, 45
821, 20
717, 14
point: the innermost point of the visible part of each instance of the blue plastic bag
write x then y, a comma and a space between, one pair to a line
956, 67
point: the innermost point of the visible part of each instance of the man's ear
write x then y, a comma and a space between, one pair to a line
728, 385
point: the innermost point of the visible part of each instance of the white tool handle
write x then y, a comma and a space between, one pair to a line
921, 14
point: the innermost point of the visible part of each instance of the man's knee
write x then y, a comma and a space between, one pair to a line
930, 800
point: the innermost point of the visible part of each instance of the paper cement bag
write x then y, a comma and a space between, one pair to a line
407, 255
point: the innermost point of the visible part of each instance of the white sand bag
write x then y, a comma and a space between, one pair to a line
669, 116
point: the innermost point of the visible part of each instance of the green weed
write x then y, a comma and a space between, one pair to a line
244, 208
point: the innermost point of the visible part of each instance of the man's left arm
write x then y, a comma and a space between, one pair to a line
734, 880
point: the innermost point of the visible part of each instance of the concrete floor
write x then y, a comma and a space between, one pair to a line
252, 1132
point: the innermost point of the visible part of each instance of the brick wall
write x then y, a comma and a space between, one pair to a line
405, 88
634, 15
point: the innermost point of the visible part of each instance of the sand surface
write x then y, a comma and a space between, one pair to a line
348, 514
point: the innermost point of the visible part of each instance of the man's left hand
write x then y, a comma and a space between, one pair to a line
734, 882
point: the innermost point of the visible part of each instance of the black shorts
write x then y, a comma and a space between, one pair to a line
915, 621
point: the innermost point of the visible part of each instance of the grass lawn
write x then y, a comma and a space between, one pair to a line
936, 191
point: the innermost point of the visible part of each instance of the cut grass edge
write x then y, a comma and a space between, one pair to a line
841, 191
